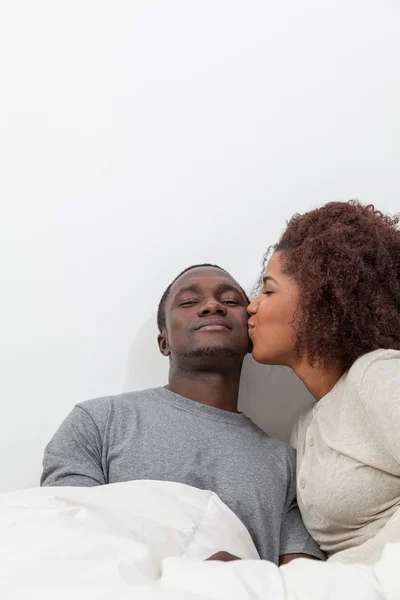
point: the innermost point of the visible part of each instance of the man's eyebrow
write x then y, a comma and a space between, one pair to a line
229, 287
221, 287
188, 288
269, 278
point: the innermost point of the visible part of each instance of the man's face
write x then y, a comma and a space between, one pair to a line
205, 316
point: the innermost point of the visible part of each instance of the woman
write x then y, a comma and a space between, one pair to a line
329, 308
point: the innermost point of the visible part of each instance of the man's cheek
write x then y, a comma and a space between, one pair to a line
182, 336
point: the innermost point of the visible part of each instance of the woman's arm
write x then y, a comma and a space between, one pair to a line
371, 551
380, 400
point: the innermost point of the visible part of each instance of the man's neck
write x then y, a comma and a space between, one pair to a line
217, 389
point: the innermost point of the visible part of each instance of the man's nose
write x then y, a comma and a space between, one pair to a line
212, 308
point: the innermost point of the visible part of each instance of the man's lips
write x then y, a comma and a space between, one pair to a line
214, 325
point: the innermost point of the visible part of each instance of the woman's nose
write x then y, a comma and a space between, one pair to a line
253, 307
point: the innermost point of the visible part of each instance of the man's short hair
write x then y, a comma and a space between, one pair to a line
161, 306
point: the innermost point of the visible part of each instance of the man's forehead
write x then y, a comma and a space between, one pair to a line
203, 276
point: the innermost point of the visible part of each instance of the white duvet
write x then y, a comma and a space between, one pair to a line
147, 540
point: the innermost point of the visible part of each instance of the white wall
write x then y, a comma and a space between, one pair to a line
138, 137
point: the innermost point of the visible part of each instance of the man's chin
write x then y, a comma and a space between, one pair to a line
213, 352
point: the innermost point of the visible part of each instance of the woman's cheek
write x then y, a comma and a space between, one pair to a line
260, 339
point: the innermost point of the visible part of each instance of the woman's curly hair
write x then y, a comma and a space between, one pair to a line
345, 257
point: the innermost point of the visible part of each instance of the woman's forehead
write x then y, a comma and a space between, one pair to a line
274, 264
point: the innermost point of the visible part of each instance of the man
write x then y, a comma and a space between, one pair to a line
191, 431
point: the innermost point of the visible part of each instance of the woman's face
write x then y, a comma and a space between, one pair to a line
272, 317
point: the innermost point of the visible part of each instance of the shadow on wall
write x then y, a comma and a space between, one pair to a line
146, 365
271, 396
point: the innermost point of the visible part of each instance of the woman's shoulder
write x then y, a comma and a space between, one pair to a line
381, 358
375, 368
377, 400
373, 386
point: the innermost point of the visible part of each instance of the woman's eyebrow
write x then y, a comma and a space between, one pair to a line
269, 278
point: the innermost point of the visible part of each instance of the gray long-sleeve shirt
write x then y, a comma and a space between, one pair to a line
156, 434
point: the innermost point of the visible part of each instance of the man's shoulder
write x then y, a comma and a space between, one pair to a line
101, 407
270, 444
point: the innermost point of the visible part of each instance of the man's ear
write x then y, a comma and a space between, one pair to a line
163, 344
